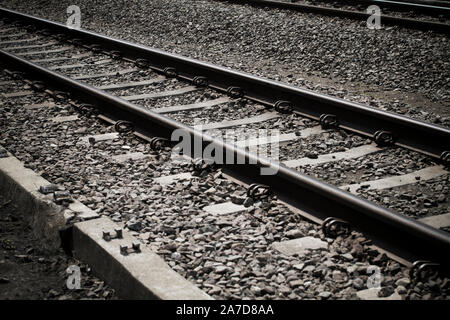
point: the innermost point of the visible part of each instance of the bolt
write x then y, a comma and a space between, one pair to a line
106, 236
61, 197
118, 233
123, 249
50, 188
136, 246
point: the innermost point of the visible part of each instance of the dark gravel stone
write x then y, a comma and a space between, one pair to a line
386, 291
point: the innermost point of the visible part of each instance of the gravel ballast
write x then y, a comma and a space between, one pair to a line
396, 69
362, 7
228, 256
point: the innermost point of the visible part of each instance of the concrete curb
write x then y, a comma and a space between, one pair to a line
21, 186
141, 275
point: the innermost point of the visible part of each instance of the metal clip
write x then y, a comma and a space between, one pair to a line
333, 227
258, 191
235, 92
95, 48
383, 138
60, 95
422, 269
116, 54
170, 72
87, 109
200, 81
49, 188
445, 157
123, 126
108, 237
283, 107
328, 121
77, 41
158, 143
61, 197
142, 63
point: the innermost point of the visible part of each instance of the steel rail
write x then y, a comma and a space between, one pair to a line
439, 3
402, 236
413, 134
403, 6
385, 19
419, 7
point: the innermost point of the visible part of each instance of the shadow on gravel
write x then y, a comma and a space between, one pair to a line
26, 272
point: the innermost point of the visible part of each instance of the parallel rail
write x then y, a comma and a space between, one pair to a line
434, 8
409, 133
407, 238
357, 15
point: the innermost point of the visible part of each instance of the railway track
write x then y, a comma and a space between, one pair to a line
432, 7
151, 93
410, 15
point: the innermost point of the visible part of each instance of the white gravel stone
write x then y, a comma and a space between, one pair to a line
372, 294
299, 246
